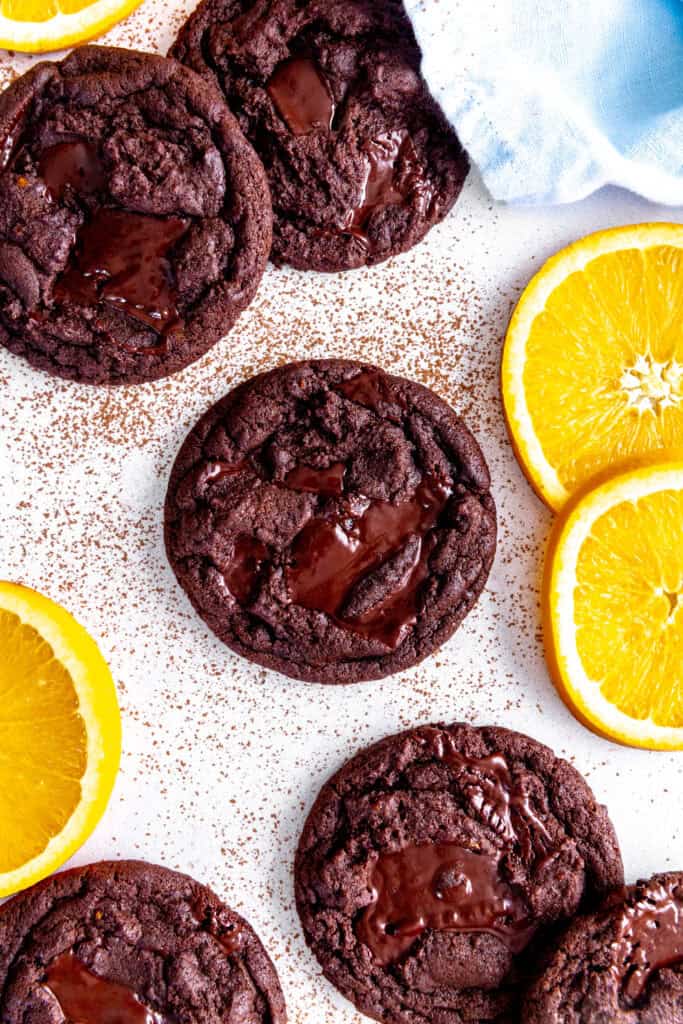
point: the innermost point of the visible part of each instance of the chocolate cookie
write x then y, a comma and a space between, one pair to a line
135, 218
131, 943
621, 965
360, 159
330, 521
435, 861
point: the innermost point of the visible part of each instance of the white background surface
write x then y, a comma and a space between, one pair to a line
221, 759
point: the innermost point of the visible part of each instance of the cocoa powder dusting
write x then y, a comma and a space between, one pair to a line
222, 759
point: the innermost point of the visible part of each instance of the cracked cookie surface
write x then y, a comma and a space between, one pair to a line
330, 521
144, 944
621, 965
433, 863
135, 218
360, 159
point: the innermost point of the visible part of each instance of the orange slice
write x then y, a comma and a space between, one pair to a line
613, 607
60, 736
36, 26
592, 370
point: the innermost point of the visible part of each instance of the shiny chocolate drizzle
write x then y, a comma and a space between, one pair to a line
448, 887
85, 998
649, 937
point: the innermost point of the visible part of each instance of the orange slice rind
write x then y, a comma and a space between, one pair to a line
39, 26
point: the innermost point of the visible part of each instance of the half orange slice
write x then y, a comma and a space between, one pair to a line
36, 26
60, 736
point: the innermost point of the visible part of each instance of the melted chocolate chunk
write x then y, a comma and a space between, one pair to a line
122, 258
84, 998
299, 91
232, 939
242, 575
74, 165
502, 804
394, 608
317, 481
220, 470
444, 887
622, 963
393, 175
649, 937
371, 389
331, 556
407, 892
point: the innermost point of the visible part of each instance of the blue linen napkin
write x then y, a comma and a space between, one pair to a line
555, 98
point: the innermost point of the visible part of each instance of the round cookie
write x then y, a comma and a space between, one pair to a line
433, 863
129, 941
621, 965
361, 161
330, 521
135, 218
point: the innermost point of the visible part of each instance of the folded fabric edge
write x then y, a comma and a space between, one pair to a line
511, 160
532, 142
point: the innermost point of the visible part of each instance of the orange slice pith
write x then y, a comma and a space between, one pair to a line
38, 26
60, 736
